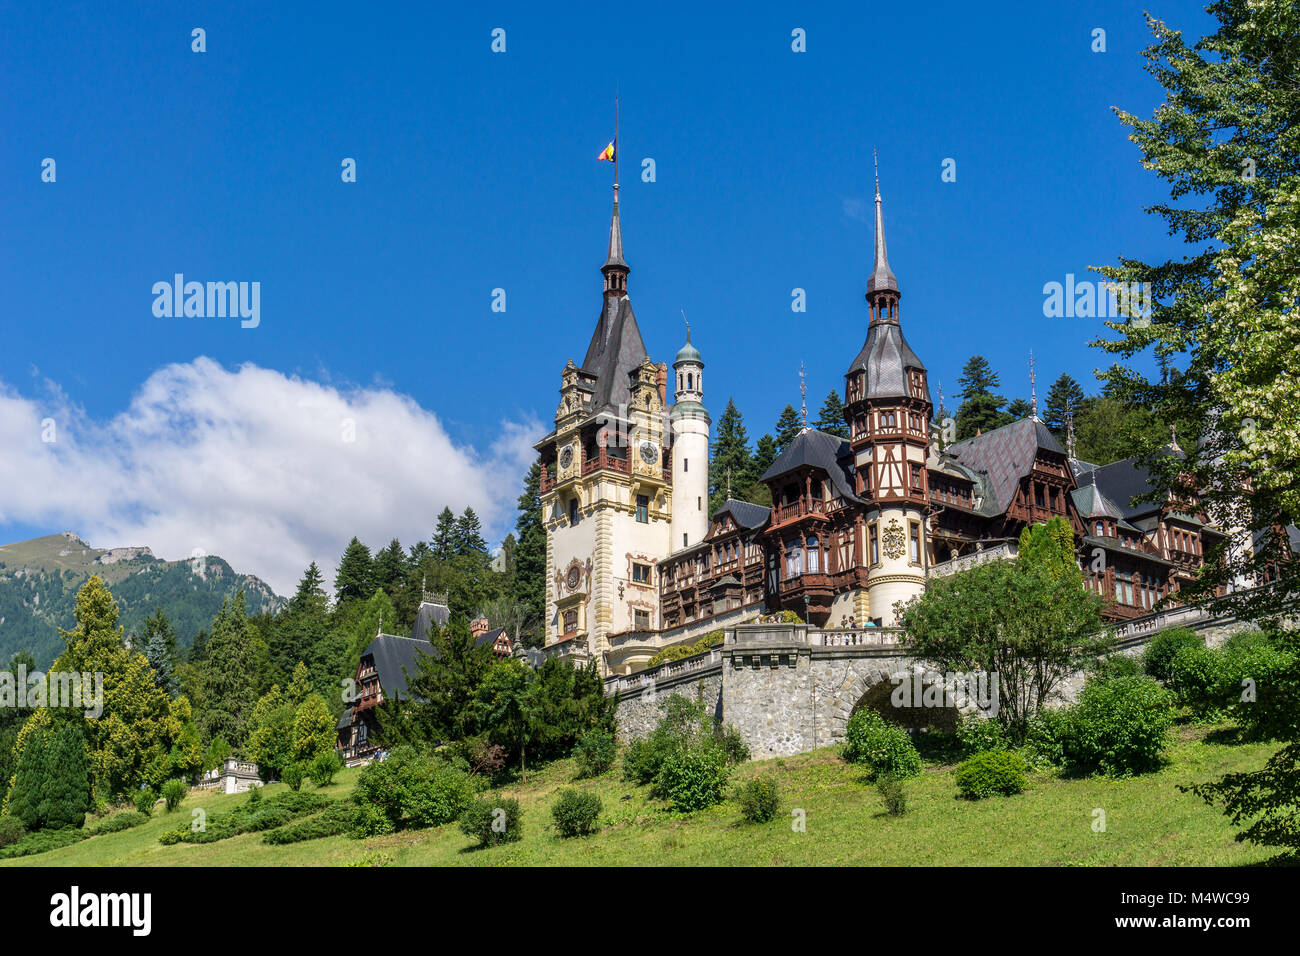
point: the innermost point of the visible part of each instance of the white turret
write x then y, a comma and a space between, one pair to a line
691, 423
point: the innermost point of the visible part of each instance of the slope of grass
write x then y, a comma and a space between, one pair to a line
1148, 823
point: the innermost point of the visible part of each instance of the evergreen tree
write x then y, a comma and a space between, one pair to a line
1019, 409
310, 595
528, 582
831, 417
313, 729
24, 798
299, 686
389, 568
158, 643
270, 735
468, 538
981, 409
765, 453
732, 462
65, 789
443, 543
229, 684
1064, 397
353, 579
788, 427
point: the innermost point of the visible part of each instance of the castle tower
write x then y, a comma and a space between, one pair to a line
887, 408
606, 480
690, 423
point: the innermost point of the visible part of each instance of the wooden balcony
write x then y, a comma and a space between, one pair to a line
802, 508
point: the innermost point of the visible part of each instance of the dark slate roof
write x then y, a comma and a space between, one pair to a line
429, 616
1121, 482
829, 453
616, 350
489, 637
1006, 455
1090, 502
393, 653
885, 357
748, 516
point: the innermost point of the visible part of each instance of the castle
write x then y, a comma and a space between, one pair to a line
636, 563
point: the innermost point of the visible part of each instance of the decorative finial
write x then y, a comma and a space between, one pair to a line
728, 482
1033, 387
803, 393
876, 160
1173, 438
1069, 429
688, 324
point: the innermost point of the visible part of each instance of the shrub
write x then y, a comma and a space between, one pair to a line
337, 818
42, 841
575, 813
1116, 665
1158, 658
145, 799
293, 776
733, 746
173, 791
640, 761
883, 748
595, 753
323, 768
118, 822
1046, 735
410, 789
1195, 674
255, 795
893, 793
692, 778
979, 734
1119, 727
758, 799
1269, 711
492, 821
11, 831
990, 772
257, 813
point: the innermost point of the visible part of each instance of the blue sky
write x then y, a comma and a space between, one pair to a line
476, 171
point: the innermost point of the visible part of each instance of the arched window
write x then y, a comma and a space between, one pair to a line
814, 564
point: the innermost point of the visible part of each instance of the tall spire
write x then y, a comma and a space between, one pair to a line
615, 268
882, 287
1033, 388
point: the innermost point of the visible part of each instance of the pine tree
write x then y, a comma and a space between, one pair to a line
1019, 409
443, 543
354, 577
229, 684
981, 409
732, 462
528, 583
1064, 397
831, 417
24, 799
788, 427
158, 644
764, 454
310, 595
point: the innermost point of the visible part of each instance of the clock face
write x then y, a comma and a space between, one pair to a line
566, 458
574, 578
649, 452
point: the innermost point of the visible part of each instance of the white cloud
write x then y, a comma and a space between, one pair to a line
252, 465
859, 209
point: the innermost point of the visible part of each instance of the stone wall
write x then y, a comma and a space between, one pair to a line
639, 701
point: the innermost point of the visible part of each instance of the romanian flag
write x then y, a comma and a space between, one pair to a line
607, 154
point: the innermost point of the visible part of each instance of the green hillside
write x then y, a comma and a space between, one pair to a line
39, 580
1148, 823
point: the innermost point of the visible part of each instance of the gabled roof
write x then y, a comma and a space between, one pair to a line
429, 617
885, 357
395, 657
815, 449
1121, 482
1091, 503
489, 637
1006, 455
748, 516
616, 350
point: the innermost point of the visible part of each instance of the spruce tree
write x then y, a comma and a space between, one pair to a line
1064, 398
764, 454
355, 573
443, 542
981, 408
65, 790
831, 417
528, 583
24, 799
732, 462
1019, 409
389, 569
158, 644
229, 684
310, 595
468, 538
788, 427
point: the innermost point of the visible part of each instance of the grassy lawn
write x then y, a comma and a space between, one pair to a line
1148, 823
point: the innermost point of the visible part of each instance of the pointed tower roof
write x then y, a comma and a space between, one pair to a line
616, 348
882, 277
614, 260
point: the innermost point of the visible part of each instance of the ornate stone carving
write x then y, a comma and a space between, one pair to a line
893, 540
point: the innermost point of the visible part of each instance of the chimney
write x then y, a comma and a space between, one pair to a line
663, 382
478, 627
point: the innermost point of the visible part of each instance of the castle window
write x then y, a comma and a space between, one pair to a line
570, 622
643, 509
1101, 529
875, 543
814, 563
793, 558
641, 573
641, 620
686, 464
573, 512
915, 543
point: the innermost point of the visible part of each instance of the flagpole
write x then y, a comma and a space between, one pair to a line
616, 143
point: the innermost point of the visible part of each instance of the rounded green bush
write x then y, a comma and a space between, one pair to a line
173, 791
575, 813
293, 775
323, 767
595, 753
11, 831
758, 799
991, 772
145, 799
692, 778
1046, 736
884, 748
492, 821
978, 734
1158, 657
1196, 676
1120, 726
